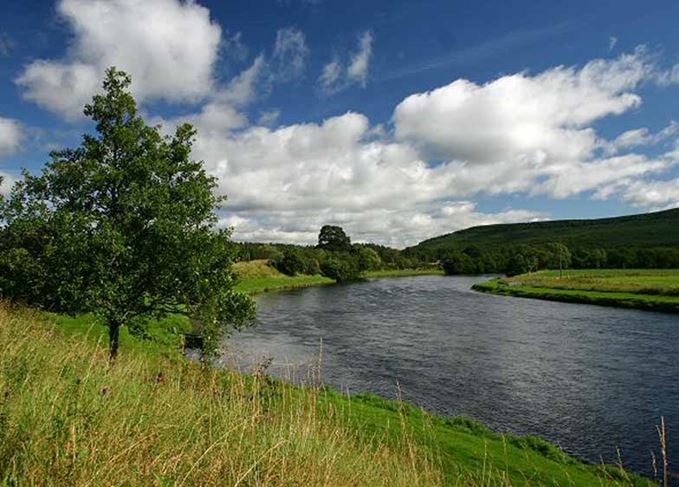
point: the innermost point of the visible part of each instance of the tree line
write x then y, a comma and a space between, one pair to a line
519, 259
347, 261
334, 256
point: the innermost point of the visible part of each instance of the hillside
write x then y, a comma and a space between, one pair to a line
660, 229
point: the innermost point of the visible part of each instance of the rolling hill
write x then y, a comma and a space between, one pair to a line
659, 229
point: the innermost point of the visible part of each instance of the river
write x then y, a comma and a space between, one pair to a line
590, 379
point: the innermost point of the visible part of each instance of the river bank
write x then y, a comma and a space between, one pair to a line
257, 276
650, 290
165, 414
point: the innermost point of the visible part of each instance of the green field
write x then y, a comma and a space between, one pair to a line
158, 419
650, 289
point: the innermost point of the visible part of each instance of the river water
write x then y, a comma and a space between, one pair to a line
590, 379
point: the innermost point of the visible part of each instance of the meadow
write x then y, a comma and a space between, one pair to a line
156, 418
651, 289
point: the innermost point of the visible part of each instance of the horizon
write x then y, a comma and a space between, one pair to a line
398, 122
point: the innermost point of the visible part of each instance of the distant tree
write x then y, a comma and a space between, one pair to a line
522, 260
290, 263
458, 263
123, 226
333, 238
560, 257
368, 259
341, 266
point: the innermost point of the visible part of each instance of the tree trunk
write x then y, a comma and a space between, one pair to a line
113, 341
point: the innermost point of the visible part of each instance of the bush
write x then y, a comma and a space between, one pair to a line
342, 267
290, 263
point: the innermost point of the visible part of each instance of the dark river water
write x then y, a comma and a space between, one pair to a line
589, 378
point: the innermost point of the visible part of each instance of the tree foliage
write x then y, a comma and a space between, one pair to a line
333, 238
123, 226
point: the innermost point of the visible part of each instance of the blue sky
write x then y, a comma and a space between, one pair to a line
399, 120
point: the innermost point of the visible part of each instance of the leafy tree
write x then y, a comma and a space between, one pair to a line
341, 266
124, 227
290, 263
560, 257
333, 238
368, 259
459, 263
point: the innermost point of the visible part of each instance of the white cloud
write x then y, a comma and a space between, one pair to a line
268, 118
11, 135
168, 46
360, 61
7, 180
534, 119
639, 137
520, 134
330, 75
284, 184
290, 54
612, 42
242, 89
654, 194
336, 77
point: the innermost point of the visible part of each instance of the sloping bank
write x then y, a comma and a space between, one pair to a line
159, 419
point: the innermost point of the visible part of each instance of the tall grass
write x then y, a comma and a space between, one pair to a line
68, 419
157, 419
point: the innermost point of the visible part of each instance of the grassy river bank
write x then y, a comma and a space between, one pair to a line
257, 276
647, 289
155, 418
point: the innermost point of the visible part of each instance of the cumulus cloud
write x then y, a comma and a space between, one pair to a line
168, 46
534, 134
11, 135
653, 194
529, 134
533, 118
284, 183
336, 77
7, 180
521, 134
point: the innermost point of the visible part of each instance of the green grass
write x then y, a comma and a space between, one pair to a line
66, 418
258, 276
653, 289
403, 273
